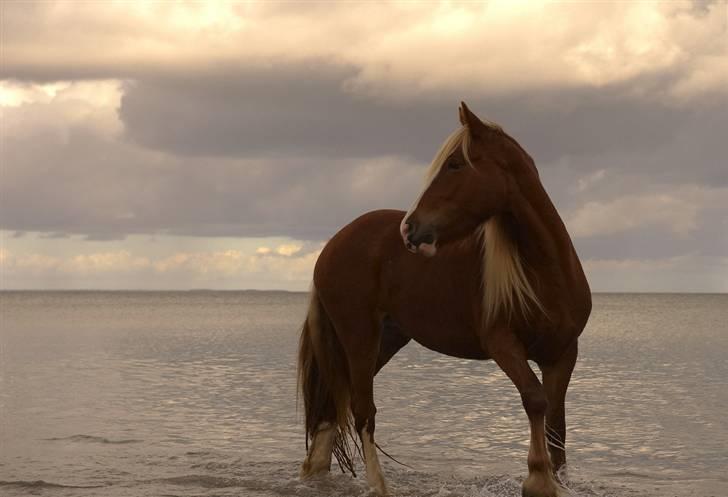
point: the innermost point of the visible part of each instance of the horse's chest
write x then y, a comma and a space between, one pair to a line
440, 315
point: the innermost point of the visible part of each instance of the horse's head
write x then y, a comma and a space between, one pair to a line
468, 182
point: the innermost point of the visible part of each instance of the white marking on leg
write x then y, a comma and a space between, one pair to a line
540, 480
375, 478
318, 459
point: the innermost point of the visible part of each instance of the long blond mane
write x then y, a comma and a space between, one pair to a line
505, 285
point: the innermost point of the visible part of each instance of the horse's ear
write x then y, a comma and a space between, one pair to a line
467, 118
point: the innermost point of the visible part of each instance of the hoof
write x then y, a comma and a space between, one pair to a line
309, 470
379, 490
377, 485
540, 485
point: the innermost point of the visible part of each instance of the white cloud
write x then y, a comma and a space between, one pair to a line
93, 263
676, 210
585, 183
289, 249
287, 261
289, 264
103, 262
226, 262
400, 48
57, 108
685, 273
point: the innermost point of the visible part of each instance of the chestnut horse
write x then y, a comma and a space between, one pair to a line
501, 280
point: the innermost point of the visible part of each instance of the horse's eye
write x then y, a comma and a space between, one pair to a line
454, 165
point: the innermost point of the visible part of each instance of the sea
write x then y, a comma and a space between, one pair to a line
194, 394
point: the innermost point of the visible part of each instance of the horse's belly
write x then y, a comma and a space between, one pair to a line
456, 339
462, 350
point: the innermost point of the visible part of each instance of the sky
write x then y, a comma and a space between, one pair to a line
219, 145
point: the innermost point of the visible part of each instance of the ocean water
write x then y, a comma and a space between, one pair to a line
193, 394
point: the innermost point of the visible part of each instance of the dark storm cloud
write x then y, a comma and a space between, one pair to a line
288, 150
81, 182
306, 111
282, 111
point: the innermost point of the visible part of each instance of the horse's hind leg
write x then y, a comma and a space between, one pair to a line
361, 340
319, 456
318, 459
556, 379
511, 356
324, 384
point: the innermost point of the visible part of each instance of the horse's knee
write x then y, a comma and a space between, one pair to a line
535, 401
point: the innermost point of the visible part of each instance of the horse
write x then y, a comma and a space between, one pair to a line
496, 277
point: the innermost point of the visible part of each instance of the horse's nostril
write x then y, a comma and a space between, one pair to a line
427, 238
417, 239
410, 226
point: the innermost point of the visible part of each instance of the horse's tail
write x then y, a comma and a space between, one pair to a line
323, 382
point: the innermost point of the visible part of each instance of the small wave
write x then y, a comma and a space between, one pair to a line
41, 484
204, 481
281, 479
632, 474
198, 453
91, 439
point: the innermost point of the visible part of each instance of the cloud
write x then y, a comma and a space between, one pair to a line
397, 48
81, 264
85, 178
287, 264
305, 110
588, 181
684, 273
285, 110
107, 261
288, 260
278, 119
632, 212
676, 210
284, 266
92, 171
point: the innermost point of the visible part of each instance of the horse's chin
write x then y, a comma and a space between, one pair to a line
427, 249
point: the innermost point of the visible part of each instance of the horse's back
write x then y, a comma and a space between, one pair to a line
352, 258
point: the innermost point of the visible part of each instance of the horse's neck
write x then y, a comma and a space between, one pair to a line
543, 242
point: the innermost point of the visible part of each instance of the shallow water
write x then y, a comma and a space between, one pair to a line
193, 393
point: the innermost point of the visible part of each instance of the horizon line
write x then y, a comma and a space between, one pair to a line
192, 290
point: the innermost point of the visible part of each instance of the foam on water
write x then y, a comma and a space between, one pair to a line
269, 479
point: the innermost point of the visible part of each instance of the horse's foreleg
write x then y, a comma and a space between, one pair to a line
511, 356
556, 379
391, 342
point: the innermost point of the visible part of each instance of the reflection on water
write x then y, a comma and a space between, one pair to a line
186, 393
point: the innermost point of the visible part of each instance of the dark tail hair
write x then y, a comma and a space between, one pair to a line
323, 382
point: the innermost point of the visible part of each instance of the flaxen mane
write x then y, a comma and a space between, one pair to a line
504, 280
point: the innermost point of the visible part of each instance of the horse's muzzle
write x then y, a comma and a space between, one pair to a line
418, 238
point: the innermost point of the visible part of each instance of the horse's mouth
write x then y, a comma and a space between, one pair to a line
428, 249
422, 241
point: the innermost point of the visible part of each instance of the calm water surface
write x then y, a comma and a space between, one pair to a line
193, 393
